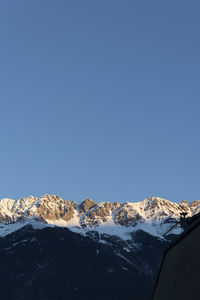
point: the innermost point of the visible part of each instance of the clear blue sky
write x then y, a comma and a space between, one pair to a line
100, 99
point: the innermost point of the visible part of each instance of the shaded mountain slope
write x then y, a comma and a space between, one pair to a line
55, 263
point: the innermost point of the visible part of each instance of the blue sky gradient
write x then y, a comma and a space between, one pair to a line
100, 99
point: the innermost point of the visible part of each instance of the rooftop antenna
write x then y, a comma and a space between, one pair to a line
181, 221
183, 214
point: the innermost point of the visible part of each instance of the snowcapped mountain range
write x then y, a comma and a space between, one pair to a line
86, 250
153, 215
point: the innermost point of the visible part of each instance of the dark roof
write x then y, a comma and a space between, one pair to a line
192, 222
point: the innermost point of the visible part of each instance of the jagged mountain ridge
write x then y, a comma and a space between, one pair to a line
154, 215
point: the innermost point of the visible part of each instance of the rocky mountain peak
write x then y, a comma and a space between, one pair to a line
85, 205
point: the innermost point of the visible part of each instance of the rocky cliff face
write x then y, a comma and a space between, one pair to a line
154, 215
